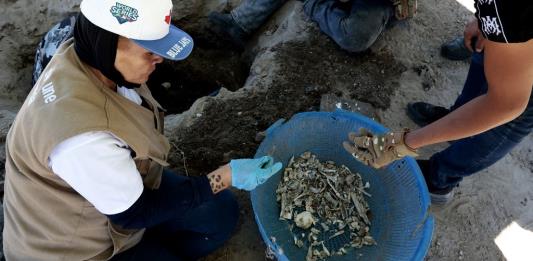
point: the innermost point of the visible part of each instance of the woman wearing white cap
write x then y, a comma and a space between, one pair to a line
85, 155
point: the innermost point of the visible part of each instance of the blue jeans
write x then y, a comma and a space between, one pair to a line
353, 26
470, 155
195, 234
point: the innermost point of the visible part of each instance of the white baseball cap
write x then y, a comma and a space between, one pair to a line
145, 22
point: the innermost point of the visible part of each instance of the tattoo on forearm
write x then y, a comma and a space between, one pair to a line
216, 183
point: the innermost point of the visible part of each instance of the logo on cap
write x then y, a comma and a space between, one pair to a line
178, 47
167, 18
124, 13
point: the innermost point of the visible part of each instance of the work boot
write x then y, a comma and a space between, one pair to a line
423, 113
455, 49
438, 196
226, 28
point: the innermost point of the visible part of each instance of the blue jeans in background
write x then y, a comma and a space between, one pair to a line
469, 155
353, 26
251, 14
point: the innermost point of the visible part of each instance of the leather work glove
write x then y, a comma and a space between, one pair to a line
249, 173
404, 9
378, 150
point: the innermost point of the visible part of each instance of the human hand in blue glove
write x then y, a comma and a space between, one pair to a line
249, 173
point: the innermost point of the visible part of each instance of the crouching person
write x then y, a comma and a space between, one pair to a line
85, 156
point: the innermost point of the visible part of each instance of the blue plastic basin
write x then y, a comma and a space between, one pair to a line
399, 204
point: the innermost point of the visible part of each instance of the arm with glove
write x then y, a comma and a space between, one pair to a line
243, 174
178, 195
378, 150
508, 69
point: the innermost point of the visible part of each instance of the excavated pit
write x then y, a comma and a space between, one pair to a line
177, 85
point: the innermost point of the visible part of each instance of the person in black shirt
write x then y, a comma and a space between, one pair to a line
492, 115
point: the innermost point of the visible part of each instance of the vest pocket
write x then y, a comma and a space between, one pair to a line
143, 166
123, 239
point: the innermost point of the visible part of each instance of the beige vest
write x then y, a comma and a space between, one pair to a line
45, 219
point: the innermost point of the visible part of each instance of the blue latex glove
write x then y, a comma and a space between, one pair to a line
249, 173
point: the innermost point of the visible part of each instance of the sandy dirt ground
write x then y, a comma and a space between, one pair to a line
291, 66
